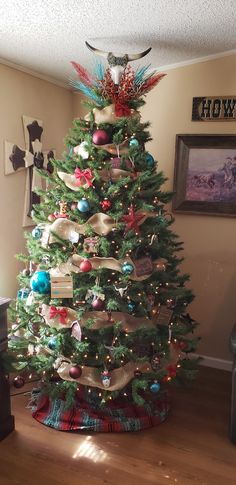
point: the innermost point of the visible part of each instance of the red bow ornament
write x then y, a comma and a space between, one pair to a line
58, 312
83, 177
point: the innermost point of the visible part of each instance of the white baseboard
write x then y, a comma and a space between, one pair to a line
214, 362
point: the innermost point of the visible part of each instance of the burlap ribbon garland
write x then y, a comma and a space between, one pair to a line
129, 323
113, 174
119, 377
72, 266
101, 224
107, 115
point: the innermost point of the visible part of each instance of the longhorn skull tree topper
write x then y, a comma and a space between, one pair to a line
117, 64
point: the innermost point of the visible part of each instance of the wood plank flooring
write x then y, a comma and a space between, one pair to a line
190, 448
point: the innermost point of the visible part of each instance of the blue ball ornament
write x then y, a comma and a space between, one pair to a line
133, 142
131, 306
37, 233
83, 205
155, 387
150, 161
127, 268
40, 282
52, 343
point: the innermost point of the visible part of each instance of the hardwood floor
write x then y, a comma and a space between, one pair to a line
192, 447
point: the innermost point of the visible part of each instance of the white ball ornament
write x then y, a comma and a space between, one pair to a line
82, 150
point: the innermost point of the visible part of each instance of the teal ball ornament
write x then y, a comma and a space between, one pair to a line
133, 142
40, 282
37, 233
150, 161
131, 306
127, 268
155, 387
83, 205
52, 343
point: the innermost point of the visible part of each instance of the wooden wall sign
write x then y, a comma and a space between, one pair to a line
214, 108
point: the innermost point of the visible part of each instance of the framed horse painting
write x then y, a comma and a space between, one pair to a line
205, 175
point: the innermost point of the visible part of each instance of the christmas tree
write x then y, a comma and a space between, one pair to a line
101, 313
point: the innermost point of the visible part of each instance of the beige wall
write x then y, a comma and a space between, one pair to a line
21, 94
209, 241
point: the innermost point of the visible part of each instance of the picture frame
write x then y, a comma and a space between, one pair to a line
205, 175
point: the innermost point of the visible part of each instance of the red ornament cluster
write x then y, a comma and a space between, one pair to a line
106, 205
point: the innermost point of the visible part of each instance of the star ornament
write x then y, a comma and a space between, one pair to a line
132, 220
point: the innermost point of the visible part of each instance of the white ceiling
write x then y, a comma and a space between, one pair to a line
45, 35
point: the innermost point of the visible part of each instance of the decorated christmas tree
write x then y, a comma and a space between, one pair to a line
100, 316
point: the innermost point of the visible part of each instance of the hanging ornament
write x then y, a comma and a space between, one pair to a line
150, 161
73, 206
98, 304
133, 142
40, 282
62, 211
46, 258
75, 372
132, 220
101, 137
155, 387
182, 345
127, 268
155, 362
131, 306
73, 237
137, 373
121, 290
85, 266
76, 331
37, 233
117, 162
18, 382
23, 294
52, 343
26, 272
82, 150
90, 244
106, 378
172, 370
83, 205
106, 205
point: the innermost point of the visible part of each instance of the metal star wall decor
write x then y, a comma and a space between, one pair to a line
30, 158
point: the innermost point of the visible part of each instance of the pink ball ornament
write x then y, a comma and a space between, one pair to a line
101, 137
51, 217
75, 372
98, 304
85, 266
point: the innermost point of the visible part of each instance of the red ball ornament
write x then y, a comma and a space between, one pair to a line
172, 370
98, 304
51, 217
75, 372
85, 266
18, 382
182, 345
106, 205
101, 137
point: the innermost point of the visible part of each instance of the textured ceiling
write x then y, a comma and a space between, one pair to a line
45, 35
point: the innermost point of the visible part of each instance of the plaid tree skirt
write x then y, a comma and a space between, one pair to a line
115, 416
